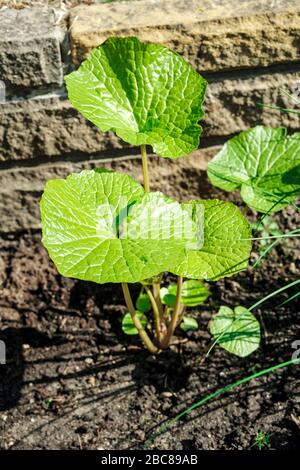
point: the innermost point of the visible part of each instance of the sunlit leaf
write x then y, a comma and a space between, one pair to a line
145, 93
236, 330
264, 164
103, 227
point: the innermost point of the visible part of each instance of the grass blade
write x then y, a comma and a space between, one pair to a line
215, 394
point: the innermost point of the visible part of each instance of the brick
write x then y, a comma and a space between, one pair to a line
30, 44
21, 189
212, 36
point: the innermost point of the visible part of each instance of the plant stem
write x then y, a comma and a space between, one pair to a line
143, 334
145, 168
180, 317
175, 315
156, 294
156, 313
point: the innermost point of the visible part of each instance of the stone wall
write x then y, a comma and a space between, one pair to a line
249, 51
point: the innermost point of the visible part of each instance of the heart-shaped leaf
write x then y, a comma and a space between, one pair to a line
236, 331
103, 227
128, 325
264, 164
145, 93
226, 241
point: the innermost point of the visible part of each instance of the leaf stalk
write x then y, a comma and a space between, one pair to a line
175, 315
142, 332
145, 168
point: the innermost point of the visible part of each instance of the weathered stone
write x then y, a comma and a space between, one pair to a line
212, 35
234, 105
30, 47
21, 189
49, 126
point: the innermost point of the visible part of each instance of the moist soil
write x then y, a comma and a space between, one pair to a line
73, 380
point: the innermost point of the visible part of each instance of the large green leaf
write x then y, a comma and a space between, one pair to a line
226, 242
145, 93
103, 227
264, 164
236, 331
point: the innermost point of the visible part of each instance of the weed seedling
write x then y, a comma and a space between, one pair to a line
262, 441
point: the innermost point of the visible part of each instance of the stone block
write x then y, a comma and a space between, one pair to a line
212, 36
30, 42
49, 127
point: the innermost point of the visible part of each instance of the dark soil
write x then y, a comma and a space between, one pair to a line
73, 380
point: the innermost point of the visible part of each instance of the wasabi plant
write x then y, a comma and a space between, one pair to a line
103, 226
264, 164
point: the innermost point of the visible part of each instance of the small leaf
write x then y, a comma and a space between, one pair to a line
167, 295
264, 164
145, 93
193, 293
143, 303
236, 331
128, 325
189, 324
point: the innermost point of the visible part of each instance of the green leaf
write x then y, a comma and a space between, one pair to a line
236, 331
193, 293
189, 324
143, 303
145, 93
103, 227
264, 164
168, 295
128, 325
226, 242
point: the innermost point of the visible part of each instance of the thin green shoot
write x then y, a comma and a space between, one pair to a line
274, 243
279, 108
294, 233
272, 294
217, 393
289, 299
